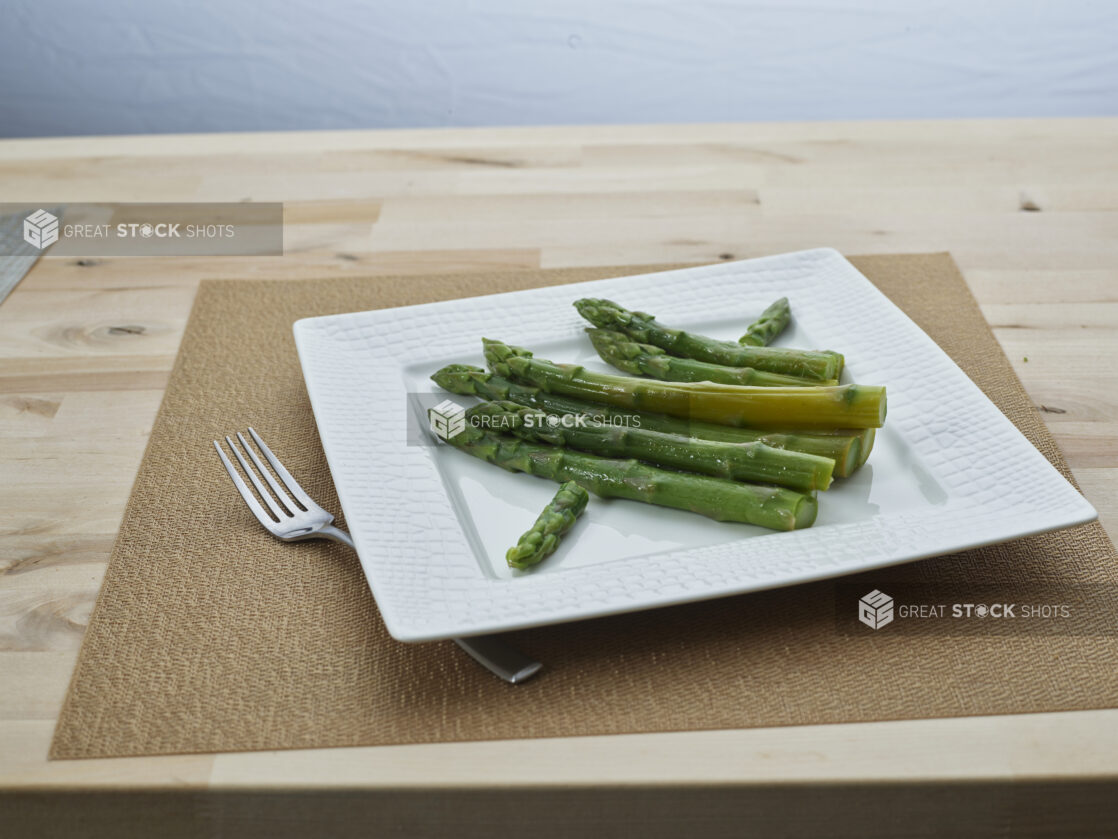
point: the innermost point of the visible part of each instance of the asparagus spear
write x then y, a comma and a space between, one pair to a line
845, 406
556, 519
618, 349
737, 461
866, 446
843, 446
717, 498
772, 322
643, 327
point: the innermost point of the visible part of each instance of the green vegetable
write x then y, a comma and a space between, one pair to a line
556, 519
717, 498
737, 461
845, 406
844, 446
772, 322
866, 446
637, 359
643, 327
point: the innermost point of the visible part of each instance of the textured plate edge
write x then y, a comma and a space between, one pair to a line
302, 332
804, 579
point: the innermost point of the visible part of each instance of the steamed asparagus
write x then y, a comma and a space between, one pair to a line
556, 519
845, 406
638, 359
717, 498
736, 461
643, 327
844, 446
772, 322
866, 446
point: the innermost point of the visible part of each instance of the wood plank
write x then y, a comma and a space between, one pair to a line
43, 676
1018, 746
24, 744
323, 261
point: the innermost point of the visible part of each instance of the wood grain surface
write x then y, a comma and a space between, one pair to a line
1028, 209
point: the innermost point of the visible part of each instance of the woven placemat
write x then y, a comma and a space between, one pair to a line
210, 636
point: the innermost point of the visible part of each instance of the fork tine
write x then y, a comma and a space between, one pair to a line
284, 498
245, 492
285, 476
281, 513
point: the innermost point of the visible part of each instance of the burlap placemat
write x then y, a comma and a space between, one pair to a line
211, 636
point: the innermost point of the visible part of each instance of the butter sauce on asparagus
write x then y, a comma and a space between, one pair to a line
717, 498
739, 432
844, 406
848, 448
644, 328
736, 461
638, 359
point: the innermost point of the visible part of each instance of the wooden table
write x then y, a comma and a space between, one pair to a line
1028, 208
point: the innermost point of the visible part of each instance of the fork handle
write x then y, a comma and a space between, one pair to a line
499, 658
328, 531
489, 651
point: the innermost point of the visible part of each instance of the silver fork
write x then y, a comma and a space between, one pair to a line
292, 519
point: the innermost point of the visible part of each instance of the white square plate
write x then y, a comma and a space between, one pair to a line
432, 524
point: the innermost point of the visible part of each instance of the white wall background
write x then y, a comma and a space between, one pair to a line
128, 66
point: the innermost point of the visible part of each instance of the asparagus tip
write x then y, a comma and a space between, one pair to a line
456, 377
